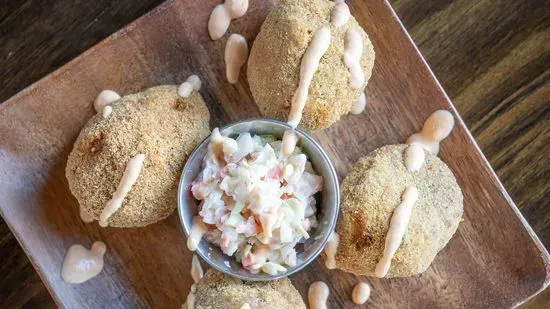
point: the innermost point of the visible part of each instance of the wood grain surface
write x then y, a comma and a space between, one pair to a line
490, 55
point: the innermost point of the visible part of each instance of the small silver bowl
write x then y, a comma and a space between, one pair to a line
327, 211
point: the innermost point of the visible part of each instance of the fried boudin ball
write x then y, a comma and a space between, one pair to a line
157, 123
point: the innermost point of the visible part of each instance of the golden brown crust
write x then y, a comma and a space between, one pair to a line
371, 191
157, 123
274, 64
219, 291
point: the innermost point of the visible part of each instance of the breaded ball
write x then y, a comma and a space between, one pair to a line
157, 123
370, 193
275, 59
218, 291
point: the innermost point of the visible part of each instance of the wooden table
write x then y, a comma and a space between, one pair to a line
492, 57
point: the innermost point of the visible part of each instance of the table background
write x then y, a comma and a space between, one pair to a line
491, 56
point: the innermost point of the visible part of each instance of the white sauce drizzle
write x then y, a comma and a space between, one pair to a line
359, 106
331, 249
104, 98
361, 293
352, 58
340, 14
129, 178
245, 306
81, 264
290, 139
310, 62
236, 54
193, 82
414, 157
318, 295
107, 110
436, 128
196, 269
398, 226
190, 301
198, 229
84, 216
223, 14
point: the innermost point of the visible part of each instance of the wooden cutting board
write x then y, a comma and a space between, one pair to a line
493, 261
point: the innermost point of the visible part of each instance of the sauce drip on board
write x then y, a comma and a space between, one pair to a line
81, 264
223, 14
359, 106
236, 54
360, 293
196, 269
436, 128
317, 295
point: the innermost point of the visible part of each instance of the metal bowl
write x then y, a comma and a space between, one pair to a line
327, 211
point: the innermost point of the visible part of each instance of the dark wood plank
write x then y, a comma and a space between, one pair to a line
37, 37
493, 59
489, 55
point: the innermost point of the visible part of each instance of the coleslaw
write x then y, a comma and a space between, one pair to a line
256, 203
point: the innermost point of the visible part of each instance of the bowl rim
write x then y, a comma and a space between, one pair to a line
325, 238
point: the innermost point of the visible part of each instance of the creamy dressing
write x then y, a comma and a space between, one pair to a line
129, 178
398, 227
236, 54
193, 82
353, 51
84, 216
223, 14
361, 293
81, 264
359, 106
258, 203
107, 110
331, 249
290, 139
436, 128
414, 157
310, 62
198, 229
104, 98
190, 301
196, 269
340, 14
318, 295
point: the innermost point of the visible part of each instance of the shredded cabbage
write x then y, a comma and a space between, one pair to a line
259, 204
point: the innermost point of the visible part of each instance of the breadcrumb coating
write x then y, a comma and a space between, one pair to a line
155, 122
275, 58
219, 291
372, 190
